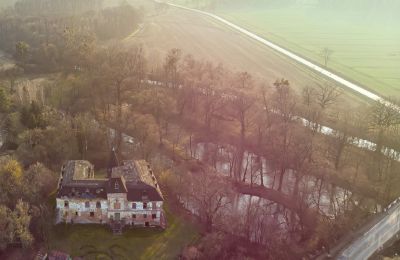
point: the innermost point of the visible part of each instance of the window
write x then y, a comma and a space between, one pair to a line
66, 204
146, 224
76, 213
144, 215
133, 205
153, 216
116, 185
144, 195
154, 205
117, 205
92, 214
98, 205
133, 215
145, 205
87, 204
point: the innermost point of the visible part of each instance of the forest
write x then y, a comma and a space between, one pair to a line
44, 42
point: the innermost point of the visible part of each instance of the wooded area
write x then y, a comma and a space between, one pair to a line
247, 158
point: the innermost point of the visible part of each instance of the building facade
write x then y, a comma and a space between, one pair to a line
130, 195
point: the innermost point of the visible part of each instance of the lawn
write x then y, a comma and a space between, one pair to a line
366, 46
97, 242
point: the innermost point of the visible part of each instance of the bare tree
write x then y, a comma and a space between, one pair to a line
119, 72
326, 54
208, 193
326, 95
384, 119
317, 100
241, 103
284, 104
349, 124
171, 67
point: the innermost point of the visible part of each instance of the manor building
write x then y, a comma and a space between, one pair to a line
130, 195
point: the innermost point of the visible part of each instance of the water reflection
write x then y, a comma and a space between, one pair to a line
329, 199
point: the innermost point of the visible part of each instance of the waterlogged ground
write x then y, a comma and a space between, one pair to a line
328, 198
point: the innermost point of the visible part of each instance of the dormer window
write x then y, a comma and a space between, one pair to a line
116, 185
145, 205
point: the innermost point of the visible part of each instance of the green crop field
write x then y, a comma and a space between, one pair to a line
367, 52
366, 47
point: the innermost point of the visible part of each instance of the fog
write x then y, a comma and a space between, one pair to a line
246, 129
7, 3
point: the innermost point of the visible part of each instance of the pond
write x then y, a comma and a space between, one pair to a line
330, 199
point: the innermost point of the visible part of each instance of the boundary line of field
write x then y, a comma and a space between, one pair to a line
336, 78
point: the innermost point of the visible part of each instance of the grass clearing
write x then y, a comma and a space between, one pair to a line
98, 242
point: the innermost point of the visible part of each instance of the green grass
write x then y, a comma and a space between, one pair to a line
366, 50
97, 242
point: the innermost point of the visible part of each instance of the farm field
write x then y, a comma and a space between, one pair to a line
366, 51
207, 39
366, 48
